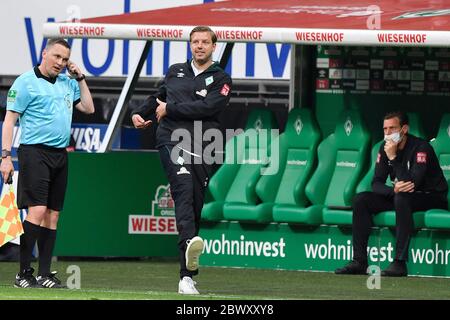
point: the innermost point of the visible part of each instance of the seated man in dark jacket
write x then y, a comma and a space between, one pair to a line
418, 184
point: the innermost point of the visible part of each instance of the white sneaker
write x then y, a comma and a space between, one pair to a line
193, 251
187, 286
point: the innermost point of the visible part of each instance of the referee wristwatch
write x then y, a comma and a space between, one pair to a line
81, 78
6, 153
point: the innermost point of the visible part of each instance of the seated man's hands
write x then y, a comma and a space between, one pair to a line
404, 186
390, 147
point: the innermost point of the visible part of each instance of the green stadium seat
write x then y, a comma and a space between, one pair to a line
245, 155
242, 202
342, 159
285, 191
387, 218
437, 218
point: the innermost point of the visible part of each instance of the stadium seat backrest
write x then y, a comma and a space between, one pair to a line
235, 151
221, 181
441, 146
366, 181
317, 187
415, 125
415, 128
261, 119
297, 156
342, 157
253, 152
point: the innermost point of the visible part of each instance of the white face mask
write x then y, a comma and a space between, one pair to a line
395, 137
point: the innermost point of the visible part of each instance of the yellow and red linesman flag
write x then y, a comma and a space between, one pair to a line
10, 224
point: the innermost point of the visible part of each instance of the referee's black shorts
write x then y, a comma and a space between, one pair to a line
42, 176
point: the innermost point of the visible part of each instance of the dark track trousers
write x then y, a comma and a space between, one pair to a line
367, 204
188, 183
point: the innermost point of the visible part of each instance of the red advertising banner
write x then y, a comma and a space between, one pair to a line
360, 22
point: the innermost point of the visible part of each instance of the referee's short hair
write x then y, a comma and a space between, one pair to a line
61, 41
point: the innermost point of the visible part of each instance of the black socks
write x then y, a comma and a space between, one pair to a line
27, 242
46, 243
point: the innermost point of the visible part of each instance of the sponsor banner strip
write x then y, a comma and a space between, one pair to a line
234, 34
148, 224
278, 246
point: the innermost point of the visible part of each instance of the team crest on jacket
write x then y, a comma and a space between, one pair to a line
209, 80
421, 157
225, 90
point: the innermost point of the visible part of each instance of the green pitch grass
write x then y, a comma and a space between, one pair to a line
150, 279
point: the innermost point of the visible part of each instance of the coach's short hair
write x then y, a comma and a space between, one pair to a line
203, 29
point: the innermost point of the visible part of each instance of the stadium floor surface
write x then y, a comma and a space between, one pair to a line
157, 280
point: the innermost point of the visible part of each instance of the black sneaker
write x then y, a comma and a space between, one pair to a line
353, 267
25, 279
397, 268
50, 281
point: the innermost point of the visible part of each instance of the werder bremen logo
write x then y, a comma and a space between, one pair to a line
258, 124
298, 125
423, 14
348, 127
12, 94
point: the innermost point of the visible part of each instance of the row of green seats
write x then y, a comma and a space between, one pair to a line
295, 178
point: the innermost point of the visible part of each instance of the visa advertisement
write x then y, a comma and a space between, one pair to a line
87, 137
22, 22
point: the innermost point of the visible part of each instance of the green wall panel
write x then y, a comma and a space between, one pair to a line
103, 190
